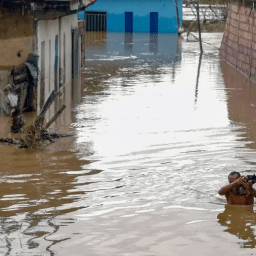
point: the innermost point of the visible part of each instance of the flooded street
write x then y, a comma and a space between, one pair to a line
157, 128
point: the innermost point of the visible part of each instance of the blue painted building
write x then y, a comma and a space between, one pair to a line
135, 16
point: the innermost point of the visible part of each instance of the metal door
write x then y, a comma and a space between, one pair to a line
154, 22
129, 22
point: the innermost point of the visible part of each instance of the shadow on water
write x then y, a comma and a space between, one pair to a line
240, 221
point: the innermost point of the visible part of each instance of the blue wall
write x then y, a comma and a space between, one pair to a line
116, 9
81, 15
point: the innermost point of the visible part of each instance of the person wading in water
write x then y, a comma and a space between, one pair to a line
238, 191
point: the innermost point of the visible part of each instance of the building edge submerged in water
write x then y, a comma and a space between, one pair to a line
153, 16
50, 29
238, 46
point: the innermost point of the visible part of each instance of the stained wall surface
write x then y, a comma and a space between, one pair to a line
16, 35
17, 40
238, 45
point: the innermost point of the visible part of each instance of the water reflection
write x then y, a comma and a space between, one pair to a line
36, 187
241, 103
128, 57
153, 43
241, 222
96, 39
197, 78
116, 46
39, 185
128, 43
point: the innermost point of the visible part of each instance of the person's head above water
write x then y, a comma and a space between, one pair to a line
233, 176
238, 191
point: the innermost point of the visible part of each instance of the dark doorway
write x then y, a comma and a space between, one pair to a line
129, 22
154, 22
96, 21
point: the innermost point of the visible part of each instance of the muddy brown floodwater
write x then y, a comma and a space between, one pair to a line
156, 133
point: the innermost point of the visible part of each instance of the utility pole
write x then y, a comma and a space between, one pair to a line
177, 14
199, 28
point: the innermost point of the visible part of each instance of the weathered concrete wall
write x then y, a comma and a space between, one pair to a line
17, 37
238, 45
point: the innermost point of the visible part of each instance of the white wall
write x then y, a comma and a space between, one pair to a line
47, 30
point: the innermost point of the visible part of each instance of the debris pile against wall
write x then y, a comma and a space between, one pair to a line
36, 134
238, 45
21, 92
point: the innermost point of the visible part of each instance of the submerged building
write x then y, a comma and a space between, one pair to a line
48, 30
164, 16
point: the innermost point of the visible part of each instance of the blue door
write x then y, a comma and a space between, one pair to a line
129, 22
154, 22
56, 61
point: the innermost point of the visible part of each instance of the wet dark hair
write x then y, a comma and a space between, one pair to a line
234, 173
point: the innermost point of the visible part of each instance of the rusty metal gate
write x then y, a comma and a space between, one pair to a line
96, 21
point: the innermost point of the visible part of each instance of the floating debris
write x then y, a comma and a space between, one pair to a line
35, 134
10, 140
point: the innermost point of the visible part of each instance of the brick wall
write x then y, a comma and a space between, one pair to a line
238, 45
